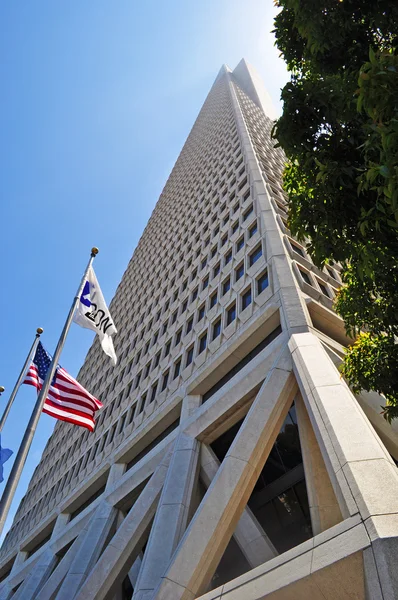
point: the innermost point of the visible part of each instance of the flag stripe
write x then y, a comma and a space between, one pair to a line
67, 399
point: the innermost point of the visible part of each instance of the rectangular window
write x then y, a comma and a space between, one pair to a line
223, 240
142, 405
216, 329
253, 230
190, 325
231, 314
184, 306
147, 369
178, 337
247, 214
165, 380
297, 249
262, 282
189, 357
201, 313
239, 272
137, 380
194, 294
203, 263
305, 276
177, 368
205, 283
214, 251
202, 343
174, 317
240, 243
246, 299
235, 227
213, 300
216, 270
153, 391
167, 349
228, 257
156, 361
323, 288
164, 328
255, 255
226, 286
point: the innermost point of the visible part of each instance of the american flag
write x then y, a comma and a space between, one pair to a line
67, 400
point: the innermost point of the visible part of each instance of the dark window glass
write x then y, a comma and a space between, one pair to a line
239, 272
205, 283
202, 343
184, 306
177, 368
137, 380
189, 356
147, 369
203, 263
262, 282
240, 243
248, 213
323, 288
231, 314
153, 392
167, 350
223, 240
305, 277
201, 313
297, 250
216, 329
178, 337
165, 380
228, 257
214, 251
189, 325
194, 294
142, 405
253, 230
213, 300
235, 227
246, 299
255, 255
216, 270
226, 286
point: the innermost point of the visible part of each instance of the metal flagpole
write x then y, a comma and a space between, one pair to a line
21, 377
23, 451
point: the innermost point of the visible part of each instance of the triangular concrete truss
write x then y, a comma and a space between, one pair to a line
152, 529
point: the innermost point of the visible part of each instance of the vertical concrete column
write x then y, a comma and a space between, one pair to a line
95, 537
361, 464
37, 576
324, 508
213, 524
127, 543
60, 523
189, 405
53, 583
249, 535
116, 472
171, 515
6, 592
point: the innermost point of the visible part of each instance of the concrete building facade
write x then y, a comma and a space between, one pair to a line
230, 460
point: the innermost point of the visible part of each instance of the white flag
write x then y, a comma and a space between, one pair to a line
93, 313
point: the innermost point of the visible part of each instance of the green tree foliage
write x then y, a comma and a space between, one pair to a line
339, 130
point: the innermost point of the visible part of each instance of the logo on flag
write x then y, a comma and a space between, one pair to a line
92, 313
67, 400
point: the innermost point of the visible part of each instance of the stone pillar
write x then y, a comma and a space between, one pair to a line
53, 583
127, 543
213, 524
249, 535
37, 576
135, 570
171, 515
95, 537
324, 508
364, 470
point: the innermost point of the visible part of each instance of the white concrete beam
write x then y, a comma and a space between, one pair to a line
213, 524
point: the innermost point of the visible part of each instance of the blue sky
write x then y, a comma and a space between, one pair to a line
97, 100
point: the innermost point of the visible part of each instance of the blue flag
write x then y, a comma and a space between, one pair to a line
5, 454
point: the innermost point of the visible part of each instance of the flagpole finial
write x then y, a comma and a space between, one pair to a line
39, 330
94, 251
1, 389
